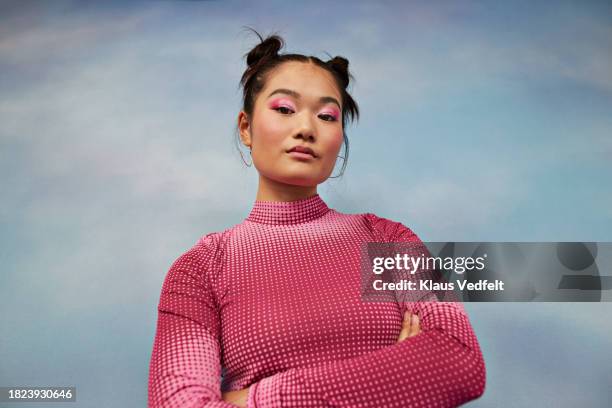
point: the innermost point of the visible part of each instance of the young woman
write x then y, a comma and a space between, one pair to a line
268, 313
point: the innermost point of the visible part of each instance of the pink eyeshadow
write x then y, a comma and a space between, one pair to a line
281, 102
334, 112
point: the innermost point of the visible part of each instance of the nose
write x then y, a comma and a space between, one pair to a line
305, 129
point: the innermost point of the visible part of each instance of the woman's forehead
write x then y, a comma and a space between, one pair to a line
304, 78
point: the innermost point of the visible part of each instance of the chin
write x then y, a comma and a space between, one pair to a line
300, 180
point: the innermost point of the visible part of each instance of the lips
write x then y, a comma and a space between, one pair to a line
302, 149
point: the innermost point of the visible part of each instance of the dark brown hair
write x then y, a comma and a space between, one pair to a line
264, 57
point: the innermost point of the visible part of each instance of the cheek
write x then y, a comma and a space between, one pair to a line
269, 130
335, 142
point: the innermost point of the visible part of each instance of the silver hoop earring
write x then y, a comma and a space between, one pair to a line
242, 157
342, 171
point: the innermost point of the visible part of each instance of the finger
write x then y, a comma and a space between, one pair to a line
415, 325
406, 323
405, 327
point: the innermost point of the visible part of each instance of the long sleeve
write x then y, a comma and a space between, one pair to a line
185, 366
440, 367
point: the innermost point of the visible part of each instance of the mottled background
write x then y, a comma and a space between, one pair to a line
480, 121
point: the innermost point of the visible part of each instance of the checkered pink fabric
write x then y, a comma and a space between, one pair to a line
274, 303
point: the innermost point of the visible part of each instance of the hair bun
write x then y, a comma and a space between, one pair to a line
340, 65
268, 48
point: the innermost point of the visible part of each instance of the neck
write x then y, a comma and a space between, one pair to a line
288, 212
272, 190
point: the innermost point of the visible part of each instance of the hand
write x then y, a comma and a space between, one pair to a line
410, 326
238, 398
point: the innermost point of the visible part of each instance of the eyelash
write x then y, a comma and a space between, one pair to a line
333, 118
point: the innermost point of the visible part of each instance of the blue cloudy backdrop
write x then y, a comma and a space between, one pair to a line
480, 121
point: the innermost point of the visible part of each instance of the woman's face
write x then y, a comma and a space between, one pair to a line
299, 106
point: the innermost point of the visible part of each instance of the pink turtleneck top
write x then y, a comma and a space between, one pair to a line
275, 302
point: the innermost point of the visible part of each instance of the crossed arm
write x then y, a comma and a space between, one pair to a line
435, 363
410, 327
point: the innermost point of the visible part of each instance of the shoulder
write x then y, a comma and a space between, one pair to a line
204, 252
209, 242
387, 230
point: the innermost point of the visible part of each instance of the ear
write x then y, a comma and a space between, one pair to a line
244, 128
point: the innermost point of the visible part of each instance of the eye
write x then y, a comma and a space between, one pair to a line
283, 109
330, 118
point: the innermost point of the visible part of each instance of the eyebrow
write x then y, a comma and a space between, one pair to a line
323, 99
